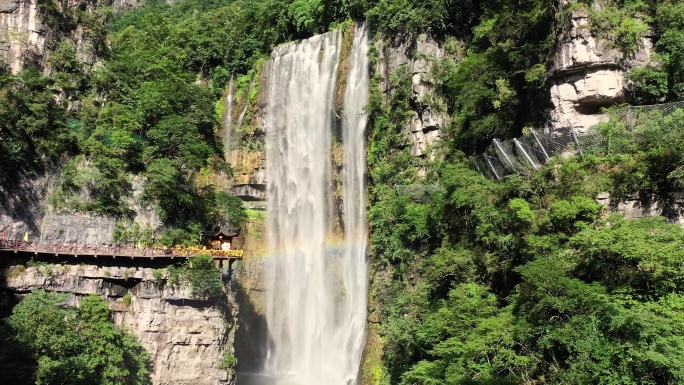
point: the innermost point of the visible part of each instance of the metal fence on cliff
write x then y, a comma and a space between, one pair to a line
526, 153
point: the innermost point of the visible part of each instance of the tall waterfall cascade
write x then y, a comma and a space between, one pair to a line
317, 282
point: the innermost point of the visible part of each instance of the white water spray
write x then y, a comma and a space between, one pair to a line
316, 310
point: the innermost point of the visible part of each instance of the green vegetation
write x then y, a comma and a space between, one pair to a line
129, 232
141, 113
157, 274
203, 276
529, 280
229, 360
16, 271
45, 342
663, 79
525, 281
127, 299
42, 268
199, 273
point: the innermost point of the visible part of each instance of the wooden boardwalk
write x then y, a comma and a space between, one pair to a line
16, 247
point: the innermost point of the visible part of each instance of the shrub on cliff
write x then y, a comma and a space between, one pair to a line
204, 277
45, 342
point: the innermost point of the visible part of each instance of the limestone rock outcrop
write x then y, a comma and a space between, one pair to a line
22, 34
124, 5
418, 55
588, 75
648, 206
186, 338
249, 174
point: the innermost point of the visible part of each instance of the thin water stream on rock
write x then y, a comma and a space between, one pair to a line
228, 120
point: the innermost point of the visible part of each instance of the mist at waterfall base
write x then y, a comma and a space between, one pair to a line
317, 282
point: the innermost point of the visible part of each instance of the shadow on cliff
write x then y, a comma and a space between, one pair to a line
16, 366
20, 200
8, 298
251, 338
644, 203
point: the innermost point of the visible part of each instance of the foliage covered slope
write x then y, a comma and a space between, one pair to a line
529, 280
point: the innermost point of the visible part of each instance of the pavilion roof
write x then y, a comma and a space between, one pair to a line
226, 233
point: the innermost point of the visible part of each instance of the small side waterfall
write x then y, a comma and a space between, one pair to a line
241, 118
228, 120
316, 307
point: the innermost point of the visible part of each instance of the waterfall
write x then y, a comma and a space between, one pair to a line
317, 285
354, 198
238, 125
228, 120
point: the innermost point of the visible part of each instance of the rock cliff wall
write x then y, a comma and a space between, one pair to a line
417, 55
251, 339
25, 209
22, 34
587, 75
187, 338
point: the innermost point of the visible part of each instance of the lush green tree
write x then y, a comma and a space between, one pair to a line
33, 130
63, 345
203, 276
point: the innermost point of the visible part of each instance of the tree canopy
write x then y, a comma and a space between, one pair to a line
46, 342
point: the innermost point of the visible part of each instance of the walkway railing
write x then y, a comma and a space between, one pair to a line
115, 251
534, 149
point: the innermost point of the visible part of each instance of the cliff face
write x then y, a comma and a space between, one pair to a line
22, 35
416, 54
587, 75
24, 38
429, 114
25, 208
186, 338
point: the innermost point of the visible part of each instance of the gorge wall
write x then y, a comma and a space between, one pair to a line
26, 208
22, 34
415, 55
589, 74
187, 338
586, 76
29, 203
